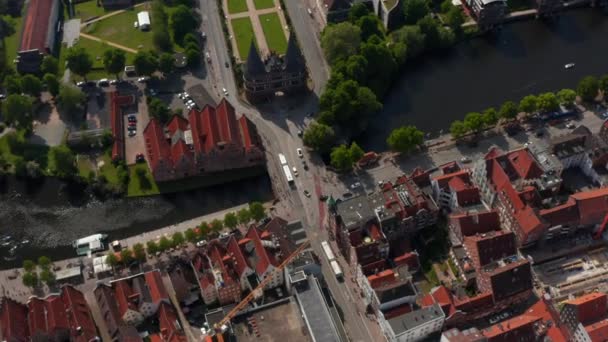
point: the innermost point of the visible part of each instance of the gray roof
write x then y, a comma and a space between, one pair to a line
68, 273
415, 318
315, 311
395, 291
254, 65
294, 60
355, 211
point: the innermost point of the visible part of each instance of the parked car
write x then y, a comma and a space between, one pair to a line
143, 79
306, 193
139, 158
225, 92
81, 84
104, 82
323, 198
132, 124
465, 159
132, 118
300, 133
300, 153
113, 82
355, 186
295, 171
227, 65
132, 133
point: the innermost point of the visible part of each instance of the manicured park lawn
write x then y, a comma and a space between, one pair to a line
119, 29
275, 37
262, 4
96, 50
84, 166
12, 42
139, 186
243, 33
237, 6
88, 9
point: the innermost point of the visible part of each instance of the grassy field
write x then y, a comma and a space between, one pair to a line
96, 50
275, 37
237, 6
108, 169
84, 166
119, 29
243, 33
262, 4
139, 186
12, 42
88, 9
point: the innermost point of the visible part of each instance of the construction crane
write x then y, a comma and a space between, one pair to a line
601, 228
240, 306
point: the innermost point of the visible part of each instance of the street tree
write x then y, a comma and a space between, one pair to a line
203, 229
473, 122
378, 75
414, 10
52, 84
356, 152
547, 102
71, 100
63, 162
190, 235
30, 279
111, 260
31, 85
566, 97
178, 238
158, 110
319, 137
48, 277
44, 262
145, 63
49, 65
114, 61
490, 117
340, 41
435, 36
587, 88
257, 211
152, 247
458, 129
244, 216
183, 21
164, 244
12, 84
166, 63
529, 104
405, 139
231, 220
29, 265
139, 252
454, 18
340, 158
508, 110
603, 84
193, 57
217, 225
126, 256
18, 110
79, 61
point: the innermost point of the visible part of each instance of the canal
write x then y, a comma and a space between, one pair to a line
522, 58
50, 218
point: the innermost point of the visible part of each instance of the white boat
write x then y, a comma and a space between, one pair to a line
569, 66
90, 244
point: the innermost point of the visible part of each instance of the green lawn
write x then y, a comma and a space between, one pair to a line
138, 186
119, 29
12, 42
84, 166
262, 4
108, 169
275, 37
88, 9
96, 50
237, 6
243, 33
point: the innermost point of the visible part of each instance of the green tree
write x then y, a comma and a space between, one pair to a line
458, 129
62, 161
48, 277
32, 169
454, 18
340, 158
217, 225
111, 259
126, 256
370, 25
587, 88
356, 152
164, 244
357, 11
12, 84
18, 110
44, 262
139, 252
165, 63
399, 51
178, 238
405, 139
52, 84
231, 220
473, 122
257, 211
203, 229
547, 102
152, 247
566, 97
378, 75
29, 265
30, 279
190, 235
244, 216
183, 21
158, 110
319, 137
340, 41
349, 106
508, 110
79, 61
435, 36
490, 117
412, 37
189, 39
49, 65
114, 61
71, 100
603, 85
31, 85
415, 10
528, 104
145, 63
193, 57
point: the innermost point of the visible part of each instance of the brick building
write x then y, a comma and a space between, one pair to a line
40, 28
211, 140
455, 190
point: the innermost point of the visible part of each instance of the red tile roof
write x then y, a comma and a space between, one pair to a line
592, 205
82, 325
159, 153
479, 302
590, 307
409, 258
239, 261
158, 292
524, 164
514, 329
228, 127
488, 247
471, 223
13, 316
398, 311
598, 332
381, 279
264, 259
566, 213
170, 328
176, 123
47, 316
124, 296
37, 25
442, 296
556, 331
244, 124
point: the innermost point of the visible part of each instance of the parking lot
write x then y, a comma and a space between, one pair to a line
135, 144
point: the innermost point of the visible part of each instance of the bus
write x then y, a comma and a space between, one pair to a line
288, 174
328, 252
336, 269
282, 159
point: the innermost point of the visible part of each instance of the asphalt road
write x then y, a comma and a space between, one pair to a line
278, 126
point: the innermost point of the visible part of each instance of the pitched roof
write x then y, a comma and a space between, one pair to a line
383, 278
47, 316
170, 328
598, 332
254, 65
262, 258
157, 288
524, 164
556, 331
239, 261
227, 124
442, 296
514, 329
37, 25
124, 296
159, 153
176, 123
590, 307
12, 318
488, 247
592, 205
471, 223
294, 61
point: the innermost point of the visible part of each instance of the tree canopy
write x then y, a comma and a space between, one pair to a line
256, 209
231, 220
79, 61
49, 65
114, 61
566, 97
508, 110
343, 157
217, 225
415, 10
145, 63
340, 41
18, 110
165, 63
458, 129
71, 99
52, 84
412, 37
31, 85
159, 110
587, 88
319, 137
528, 104
547, 102
183, 21
404, 139
473, 122
178, 238
244, 216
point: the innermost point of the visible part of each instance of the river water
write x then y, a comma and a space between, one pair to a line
522, 58
50, 218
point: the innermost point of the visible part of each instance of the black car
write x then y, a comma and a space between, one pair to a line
132, 119
139, 158
227, 65
323, 198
